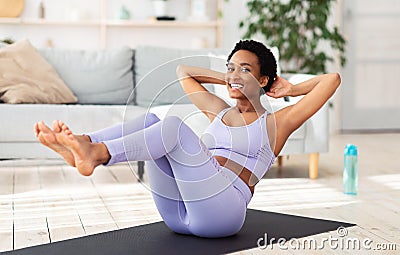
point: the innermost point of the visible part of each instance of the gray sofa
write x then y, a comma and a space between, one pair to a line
119, 84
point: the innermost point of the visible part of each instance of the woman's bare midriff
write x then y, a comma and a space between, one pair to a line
243, 173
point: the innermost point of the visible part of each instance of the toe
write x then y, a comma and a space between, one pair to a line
65, 127
43, 127
36, 129
56, 126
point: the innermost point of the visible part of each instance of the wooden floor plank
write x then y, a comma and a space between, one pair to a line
62, 217
6, 239
6, 208
30, 222
124, 172
30, 237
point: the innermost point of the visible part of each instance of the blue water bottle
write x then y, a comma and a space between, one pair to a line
350, 170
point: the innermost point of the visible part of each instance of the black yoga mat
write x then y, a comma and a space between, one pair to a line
156, 238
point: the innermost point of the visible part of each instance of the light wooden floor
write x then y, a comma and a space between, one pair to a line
48, 201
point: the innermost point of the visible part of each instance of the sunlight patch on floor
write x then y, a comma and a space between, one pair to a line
65, 206
297, 193
390, 180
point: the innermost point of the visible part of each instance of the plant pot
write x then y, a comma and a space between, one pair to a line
11, 8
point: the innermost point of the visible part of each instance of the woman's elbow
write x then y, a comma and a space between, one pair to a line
338, 79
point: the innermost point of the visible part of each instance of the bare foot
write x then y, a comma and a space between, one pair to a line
48, 138
87, 155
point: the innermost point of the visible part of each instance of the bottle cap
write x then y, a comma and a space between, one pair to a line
350, 149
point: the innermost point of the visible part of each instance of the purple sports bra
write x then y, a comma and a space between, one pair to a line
246, 145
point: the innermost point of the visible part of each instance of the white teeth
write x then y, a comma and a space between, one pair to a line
236, 86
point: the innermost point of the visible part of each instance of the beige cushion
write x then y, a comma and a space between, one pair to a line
26, 77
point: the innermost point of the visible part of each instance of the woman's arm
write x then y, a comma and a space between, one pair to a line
201, 75
191, 79
317, 92
282, 87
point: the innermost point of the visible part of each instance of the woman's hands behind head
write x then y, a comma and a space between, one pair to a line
280, 88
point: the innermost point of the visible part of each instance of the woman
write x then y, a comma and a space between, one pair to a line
202, 187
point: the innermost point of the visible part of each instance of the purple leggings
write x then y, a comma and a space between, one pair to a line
192, 192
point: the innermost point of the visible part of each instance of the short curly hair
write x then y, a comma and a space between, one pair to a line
265, 57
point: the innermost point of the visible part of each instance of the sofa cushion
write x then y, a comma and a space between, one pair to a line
80, 118
156, 80
189, 113
96, 76
26, 77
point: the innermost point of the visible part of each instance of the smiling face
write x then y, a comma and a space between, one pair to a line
243, 75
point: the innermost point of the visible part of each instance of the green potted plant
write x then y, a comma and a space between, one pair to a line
297, 28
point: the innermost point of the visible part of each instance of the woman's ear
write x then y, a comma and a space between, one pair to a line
263, 81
